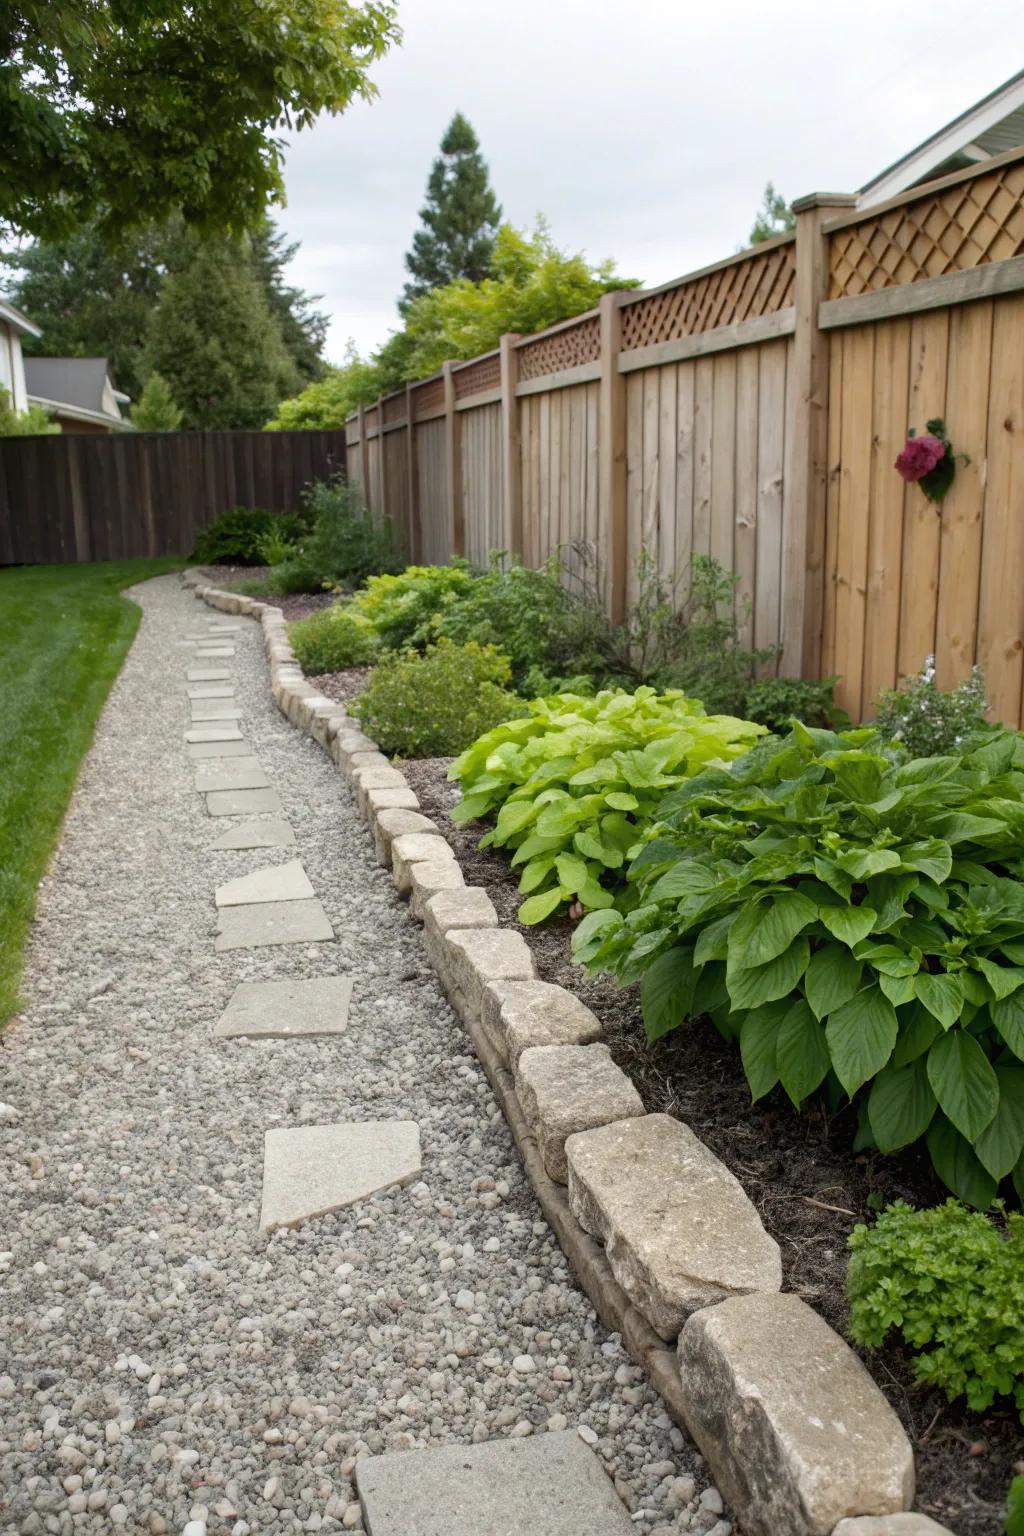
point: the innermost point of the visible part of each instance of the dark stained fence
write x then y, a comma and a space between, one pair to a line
135, 494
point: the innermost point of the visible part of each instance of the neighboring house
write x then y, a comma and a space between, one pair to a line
77, 392
994, 124
13, 326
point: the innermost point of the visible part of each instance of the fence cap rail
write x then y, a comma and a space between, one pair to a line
924, 189
552, 330
629, 296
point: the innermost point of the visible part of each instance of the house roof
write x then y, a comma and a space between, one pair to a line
74, 386
16, 320
993, 125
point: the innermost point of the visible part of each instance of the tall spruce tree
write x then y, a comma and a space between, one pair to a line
460, 217
216, 343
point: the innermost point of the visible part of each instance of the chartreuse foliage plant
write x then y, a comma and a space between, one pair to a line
576, 782
332, 639
852, 918
951, 1283
402, 608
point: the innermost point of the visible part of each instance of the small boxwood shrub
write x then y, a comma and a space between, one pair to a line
951, 1283
331, 639
436, 704
237, 537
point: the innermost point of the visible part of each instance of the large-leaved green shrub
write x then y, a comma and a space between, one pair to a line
332, 639
950, 1282
237, 537
434, 705
348, 542
576, 782
854, 917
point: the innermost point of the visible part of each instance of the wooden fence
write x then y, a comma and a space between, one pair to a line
754, 411
136, 494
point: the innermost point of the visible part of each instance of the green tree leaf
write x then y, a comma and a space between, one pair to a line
942, 995
1001, 1143
666, 992
964, 1082
957, 1165
764, 929
833, 976
861, 1035
901, 1105
801, 1053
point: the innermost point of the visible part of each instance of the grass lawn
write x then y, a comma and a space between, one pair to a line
64, 632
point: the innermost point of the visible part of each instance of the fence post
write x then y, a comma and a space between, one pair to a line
381, 473
611, 437
364, 457
803, 539
412, 481
512, 468
453, 450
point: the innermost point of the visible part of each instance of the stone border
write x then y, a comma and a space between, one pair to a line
794, 1429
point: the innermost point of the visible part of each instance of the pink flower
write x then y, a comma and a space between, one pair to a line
920, 457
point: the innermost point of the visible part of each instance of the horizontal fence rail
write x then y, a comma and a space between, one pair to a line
132, 495
753, 411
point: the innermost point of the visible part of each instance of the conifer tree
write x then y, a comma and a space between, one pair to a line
460, 217
155, 410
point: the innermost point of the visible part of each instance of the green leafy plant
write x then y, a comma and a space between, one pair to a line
576, 782
928, 721
1015, 1508
854, 918
703, 653
951, 1283
401, 608
776, 701
348, 543
435, 704
331, 639
235, 537
34, 422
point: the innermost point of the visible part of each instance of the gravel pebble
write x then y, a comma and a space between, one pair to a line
156, 1346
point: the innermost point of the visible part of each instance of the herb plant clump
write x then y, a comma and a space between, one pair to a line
576, 782
348, 543
434, 705
928, 721
951, 1283
853, 919
330, 640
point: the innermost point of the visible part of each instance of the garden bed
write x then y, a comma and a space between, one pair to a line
798, 1170
243, 578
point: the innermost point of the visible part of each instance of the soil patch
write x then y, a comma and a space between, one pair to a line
342, 686
798, 1169
296, 605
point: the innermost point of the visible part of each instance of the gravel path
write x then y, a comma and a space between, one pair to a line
163, 1360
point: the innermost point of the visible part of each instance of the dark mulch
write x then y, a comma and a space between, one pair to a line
799, 1171
297, 605
342, 686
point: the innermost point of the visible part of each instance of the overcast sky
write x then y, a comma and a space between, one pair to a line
644, 130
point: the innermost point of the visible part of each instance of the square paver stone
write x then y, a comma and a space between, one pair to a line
226, 731
551, 1484
211, 691
280, 882
236, 773
272, 922
277, 1010
234, 748
244, 802
209, 652
215, 709
310, 1170
208, 674
274, 832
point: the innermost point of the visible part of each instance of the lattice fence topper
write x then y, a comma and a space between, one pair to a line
762, 284
394, 408
580, 343
428, 397
966, 225
485, 373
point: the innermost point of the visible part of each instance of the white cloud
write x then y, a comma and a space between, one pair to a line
644, 132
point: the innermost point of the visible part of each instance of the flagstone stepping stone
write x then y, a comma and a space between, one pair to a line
272, 833
215, 709
216, 650
311, 1170
237, 748
212, 691
277, 1010
272, 922
243, 802
549, 1483
207, 674
279, 882
236, 773
226, 731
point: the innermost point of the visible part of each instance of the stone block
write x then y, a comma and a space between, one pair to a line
907, 1524
416, 848
378, 800
207, 674
272, 922
543, 1485
365, 779
310, 1170
796, 1433
389, 824
244, 802
521, 1014
283, 1010
351, 741
677, 1226
280, 882
226, 731
476, 956
429, 877
465, 907
214, 709
272, 832
234, 773
368, 759
568, 1088
205, 749
211, 691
